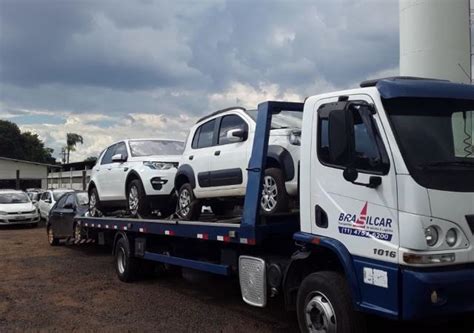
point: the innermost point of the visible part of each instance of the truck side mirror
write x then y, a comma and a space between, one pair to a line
341, 136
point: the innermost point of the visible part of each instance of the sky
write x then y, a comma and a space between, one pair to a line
111, 69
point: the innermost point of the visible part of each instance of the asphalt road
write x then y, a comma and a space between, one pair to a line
74, 288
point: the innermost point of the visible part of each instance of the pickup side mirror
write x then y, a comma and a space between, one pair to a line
236, 135
119, 158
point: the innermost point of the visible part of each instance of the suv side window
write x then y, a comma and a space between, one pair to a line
367, 156
205, 134
228, 123
62, 202
121, 148
108, 155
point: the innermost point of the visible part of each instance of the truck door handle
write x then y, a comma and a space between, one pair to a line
191, 157
217, 152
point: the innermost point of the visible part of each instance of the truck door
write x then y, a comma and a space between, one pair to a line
353, 194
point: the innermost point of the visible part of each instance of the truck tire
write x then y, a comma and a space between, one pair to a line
274, 197
53, 241
94, 203
126, 265
137, 202
324, 304
188, 207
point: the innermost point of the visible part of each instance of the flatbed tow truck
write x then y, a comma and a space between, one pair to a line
375, 232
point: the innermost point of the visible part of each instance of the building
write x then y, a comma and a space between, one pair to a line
19, 174
71, 175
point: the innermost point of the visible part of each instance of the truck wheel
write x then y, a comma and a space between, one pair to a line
94, 203
126, 265
324, 304
137, 200
53, 241
77, 232
274, 197
189, 208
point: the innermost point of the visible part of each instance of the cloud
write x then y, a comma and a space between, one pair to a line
112, 69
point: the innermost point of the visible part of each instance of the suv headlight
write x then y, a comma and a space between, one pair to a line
431, 235
160, 165
295, 138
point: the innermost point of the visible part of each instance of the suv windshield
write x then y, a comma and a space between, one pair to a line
58, 194
12, 198
82, 198
284, 119
436, 140
155, 147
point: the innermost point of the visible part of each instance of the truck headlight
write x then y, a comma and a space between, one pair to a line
295, 138
431, 235
451, 237
160, 165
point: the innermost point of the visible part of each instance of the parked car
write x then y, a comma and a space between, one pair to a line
61, 216
137, 175
17, 208
35, 195
213, 166
48, 199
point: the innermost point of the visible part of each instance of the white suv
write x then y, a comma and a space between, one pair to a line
136, 174
213, 166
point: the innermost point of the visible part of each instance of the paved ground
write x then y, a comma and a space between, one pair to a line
72, 288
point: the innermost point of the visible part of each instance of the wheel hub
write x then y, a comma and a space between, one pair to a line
121, 261
184, 202
319, 315
269, 194
133, 201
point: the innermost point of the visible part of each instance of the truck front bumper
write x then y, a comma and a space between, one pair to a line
427, 294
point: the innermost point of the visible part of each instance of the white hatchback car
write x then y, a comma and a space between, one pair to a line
213, 166
17, 208
48, 199
136, 174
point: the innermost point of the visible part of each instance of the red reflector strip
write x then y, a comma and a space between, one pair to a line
203, 236
244, 241
85, 224
93, 225
98, 226
115, 227
142, 229
252, 241
106, 226
316, 240
223, 238
169, 232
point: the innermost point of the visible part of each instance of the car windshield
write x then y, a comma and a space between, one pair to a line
82, 199
284, 119
13, 198
58, 194
436, 140
155, 147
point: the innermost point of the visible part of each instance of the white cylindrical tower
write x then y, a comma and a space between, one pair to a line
435, 39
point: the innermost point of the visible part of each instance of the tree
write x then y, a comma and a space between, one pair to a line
91, 159
72, 139
23, 146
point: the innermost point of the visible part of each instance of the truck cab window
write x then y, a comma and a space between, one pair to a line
366, 157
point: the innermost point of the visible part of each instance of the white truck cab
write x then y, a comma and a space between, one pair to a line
387, 174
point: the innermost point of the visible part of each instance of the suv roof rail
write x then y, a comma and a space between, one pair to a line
373, 82
220, 111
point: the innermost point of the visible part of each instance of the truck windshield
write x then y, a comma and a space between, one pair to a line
284, 119
155, 147
435, 137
